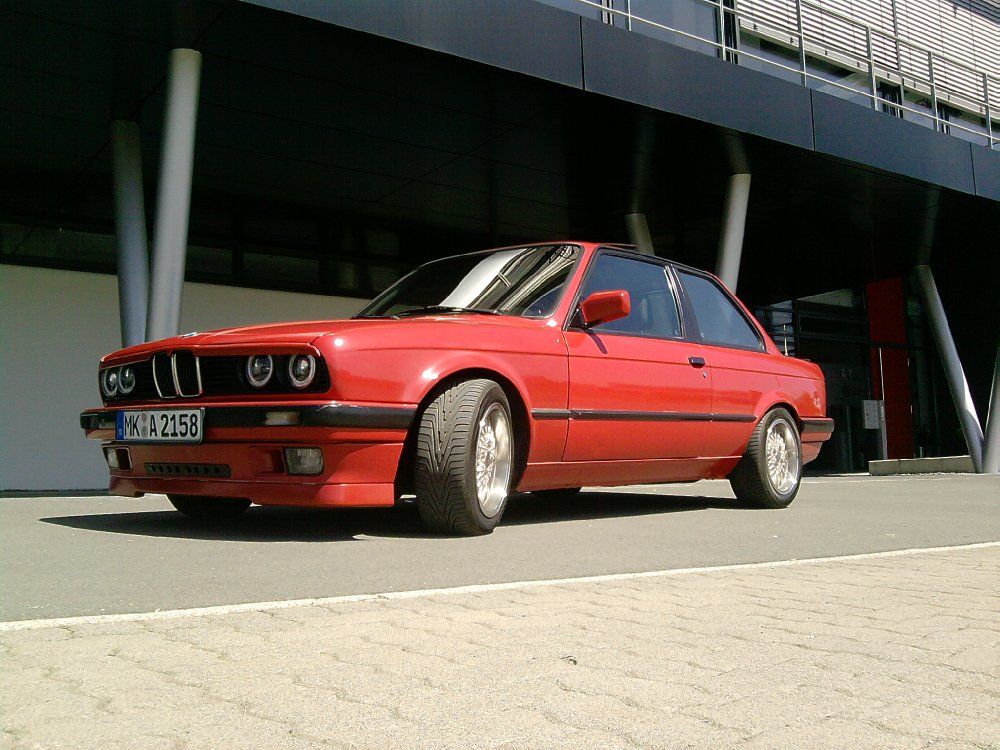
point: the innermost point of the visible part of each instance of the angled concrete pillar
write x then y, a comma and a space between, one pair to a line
130, 230
734, 211
638, 233
173, 198
991, 443
957, 383
734, 221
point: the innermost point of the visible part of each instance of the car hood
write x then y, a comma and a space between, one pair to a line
306, 333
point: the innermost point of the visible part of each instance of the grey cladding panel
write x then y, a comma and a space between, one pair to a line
861, 135
518, 35
986, 164
649, 72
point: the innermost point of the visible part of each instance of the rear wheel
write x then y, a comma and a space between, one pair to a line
465, 458
209, 508
769, 474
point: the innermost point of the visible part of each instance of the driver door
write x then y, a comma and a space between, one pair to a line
638, 391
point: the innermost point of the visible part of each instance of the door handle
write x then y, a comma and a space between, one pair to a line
697, 361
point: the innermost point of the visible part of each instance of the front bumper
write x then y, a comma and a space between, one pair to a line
334, 415
242, 454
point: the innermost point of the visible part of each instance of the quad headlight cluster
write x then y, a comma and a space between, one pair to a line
301, 370
219, 375
118, 381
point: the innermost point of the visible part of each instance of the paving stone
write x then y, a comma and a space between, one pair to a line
899, 652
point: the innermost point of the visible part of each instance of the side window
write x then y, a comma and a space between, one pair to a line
654, 307
719, 320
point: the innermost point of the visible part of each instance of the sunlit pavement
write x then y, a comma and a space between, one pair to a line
876, 647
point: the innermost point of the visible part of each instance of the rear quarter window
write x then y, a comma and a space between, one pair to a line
719, 320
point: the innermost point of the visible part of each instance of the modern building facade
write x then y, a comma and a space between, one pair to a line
194, 164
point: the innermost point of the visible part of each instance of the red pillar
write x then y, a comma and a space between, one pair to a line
890, 362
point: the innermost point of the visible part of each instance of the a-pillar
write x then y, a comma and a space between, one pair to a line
173, 200
130, 230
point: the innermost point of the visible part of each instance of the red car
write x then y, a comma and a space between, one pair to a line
539, 368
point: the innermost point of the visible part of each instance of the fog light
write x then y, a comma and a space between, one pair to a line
307, 461
281, 418
118, 459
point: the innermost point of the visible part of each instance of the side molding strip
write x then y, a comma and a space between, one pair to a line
593, 415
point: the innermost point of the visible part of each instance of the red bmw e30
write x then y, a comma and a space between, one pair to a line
540, 368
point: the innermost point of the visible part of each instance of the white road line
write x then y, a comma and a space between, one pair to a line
228, 609
899, 478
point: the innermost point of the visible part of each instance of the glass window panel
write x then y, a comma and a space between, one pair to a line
209, 261
719, 319
654, 307
382, 277
65, 245
690, 16
344, 275
525, 281
281, 270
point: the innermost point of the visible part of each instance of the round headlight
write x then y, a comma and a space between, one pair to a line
260, 368
301, 370
126, 379
109, 382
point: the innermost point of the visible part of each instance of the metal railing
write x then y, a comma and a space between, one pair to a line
871, 55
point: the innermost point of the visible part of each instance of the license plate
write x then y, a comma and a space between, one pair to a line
167, 426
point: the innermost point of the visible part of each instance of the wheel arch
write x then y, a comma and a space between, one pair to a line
780, 402
518, 411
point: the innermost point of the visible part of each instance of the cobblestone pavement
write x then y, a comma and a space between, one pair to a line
874, 651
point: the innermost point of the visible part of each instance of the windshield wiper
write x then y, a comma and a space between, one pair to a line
430, 309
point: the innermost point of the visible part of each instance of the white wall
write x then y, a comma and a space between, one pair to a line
56, 325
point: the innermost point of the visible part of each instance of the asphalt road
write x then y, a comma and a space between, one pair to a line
64, 557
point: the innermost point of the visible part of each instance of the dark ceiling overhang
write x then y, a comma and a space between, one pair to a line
481, 121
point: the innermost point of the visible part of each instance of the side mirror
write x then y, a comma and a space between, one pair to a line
603, 307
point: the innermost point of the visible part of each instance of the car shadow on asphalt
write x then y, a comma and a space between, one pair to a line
287, 524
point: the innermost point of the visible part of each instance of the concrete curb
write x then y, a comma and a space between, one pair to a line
938, 465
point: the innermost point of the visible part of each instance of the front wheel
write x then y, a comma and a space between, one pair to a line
465, 458
769, 474
209, 508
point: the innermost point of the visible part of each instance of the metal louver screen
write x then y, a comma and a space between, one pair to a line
966, 31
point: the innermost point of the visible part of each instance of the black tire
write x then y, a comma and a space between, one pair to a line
557, 495
754, 485
448, 433
209, 508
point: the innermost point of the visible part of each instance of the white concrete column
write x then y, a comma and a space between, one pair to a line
638, 233
734, 221
173, 200
130, 230
991, 443
957, 382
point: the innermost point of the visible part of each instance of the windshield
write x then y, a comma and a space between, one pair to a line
524, 281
